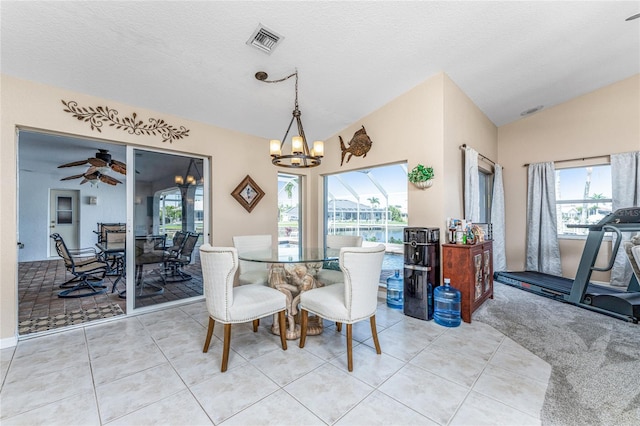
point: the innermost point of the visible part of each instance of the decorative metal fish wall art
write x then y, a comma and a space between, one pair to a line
359, 145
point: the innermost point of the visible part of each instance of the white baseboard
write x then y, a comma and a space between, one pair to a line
8, 342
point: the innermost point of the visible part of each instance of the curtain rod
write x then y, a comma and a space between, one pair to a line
574, 159
464, 145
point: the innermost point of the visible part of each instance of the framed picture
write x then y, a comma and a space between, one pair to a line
248, 193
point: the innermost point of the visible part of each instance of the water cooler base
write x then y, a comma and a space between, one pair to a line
418, 293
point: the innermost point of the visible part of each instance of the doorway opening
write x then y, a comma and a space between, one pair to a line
63, 217
51, 198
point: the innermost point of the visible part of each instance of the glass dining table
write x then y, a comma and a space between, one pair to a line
293, 270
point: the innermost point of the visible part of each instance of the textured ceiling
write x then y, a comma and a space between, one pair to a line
191, 58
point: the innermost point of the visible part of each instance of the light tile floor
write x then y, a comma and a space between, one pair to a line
150, 369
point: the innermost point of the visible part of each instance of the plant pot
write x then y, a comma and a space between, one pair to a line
423, 184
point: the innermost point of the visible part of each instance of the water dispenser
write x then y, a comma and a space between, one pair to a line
421, 270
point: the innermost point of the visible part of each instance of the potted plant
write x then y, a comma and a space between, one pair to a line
421, 176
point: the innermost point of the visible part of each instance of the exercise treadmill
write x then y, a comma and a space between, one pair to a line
616, 302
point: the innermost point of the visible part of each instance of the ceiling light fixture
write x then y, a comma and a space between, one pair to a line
301, 156
188, 178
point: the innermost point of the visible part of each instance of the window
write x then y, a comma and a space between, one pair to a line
171, 209
371, 203
485, 182
289, 209
583, 196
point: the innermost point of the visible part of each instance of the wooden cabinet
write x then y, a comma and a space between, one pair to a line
470, 268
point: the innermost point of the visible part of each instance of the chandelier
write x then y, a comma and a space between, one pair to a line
189, 178
301, 156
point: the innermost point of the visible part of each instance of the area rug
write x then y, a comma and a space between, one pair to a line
78, 316
595, 358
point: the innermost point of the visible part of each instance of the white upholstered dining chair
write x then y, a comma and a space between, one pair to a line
355, 299
232, 305
252, 272
330, 272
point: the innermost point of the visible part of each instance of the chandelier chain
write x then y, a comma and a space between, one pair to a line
280, 80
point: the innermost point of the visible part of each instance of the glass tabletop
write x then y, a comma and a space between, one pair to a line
111, 247
290, 255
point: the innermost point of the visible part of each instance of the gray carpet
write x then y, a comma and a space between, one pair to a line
595, 359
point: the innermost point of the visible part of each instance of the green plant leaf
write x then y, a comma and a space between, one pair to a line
420, 173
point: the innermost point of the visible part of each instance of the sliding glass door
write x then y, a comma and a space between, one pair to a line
128, 213
168, 220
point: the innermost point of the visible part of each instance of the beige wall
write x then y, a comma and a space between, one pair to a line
38, 106
600, 123
424, 125
408, 129
464, 124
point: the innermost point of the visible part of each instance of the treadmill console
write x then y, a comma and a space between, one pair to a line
627, 215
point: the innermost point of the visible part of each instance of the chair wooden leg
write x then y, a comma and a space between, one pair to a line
349, 347
256, 323
282, 322
304, 317
209, 334
225, 350
374, 333
339, 326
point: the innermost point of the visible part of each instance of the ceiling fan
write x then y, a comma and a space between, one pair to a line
99, 166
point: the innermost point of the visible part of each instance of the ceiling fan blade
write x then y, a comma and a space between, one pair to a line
75, 163
119, 167
73, 177
97, 162
98, 166
109, 180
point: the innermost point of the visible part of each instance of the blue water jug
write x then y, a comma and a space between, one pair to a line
395, 291
447, 305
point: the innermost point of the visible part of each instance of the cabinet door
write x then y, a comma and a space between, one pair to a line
486, 267
478, 274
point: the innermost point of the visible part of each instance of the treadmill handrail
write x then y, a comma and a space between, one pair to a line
614, 250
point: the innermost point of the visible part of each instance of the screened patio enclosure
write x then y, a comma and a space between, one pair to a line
371, 203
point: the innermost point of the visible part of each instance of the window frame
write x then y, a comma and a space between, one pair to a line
559, 203
487, 177
282, 176
367, 215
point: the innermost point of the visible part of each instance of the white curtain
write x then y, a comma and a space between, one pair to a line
543, 250
471, 186
497, 219
625, 183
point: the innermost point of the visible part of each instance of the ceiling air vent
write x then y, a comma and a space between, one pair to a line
264, 39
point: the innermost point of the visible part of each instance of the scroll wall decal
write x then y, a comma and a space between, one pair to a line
97, 116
